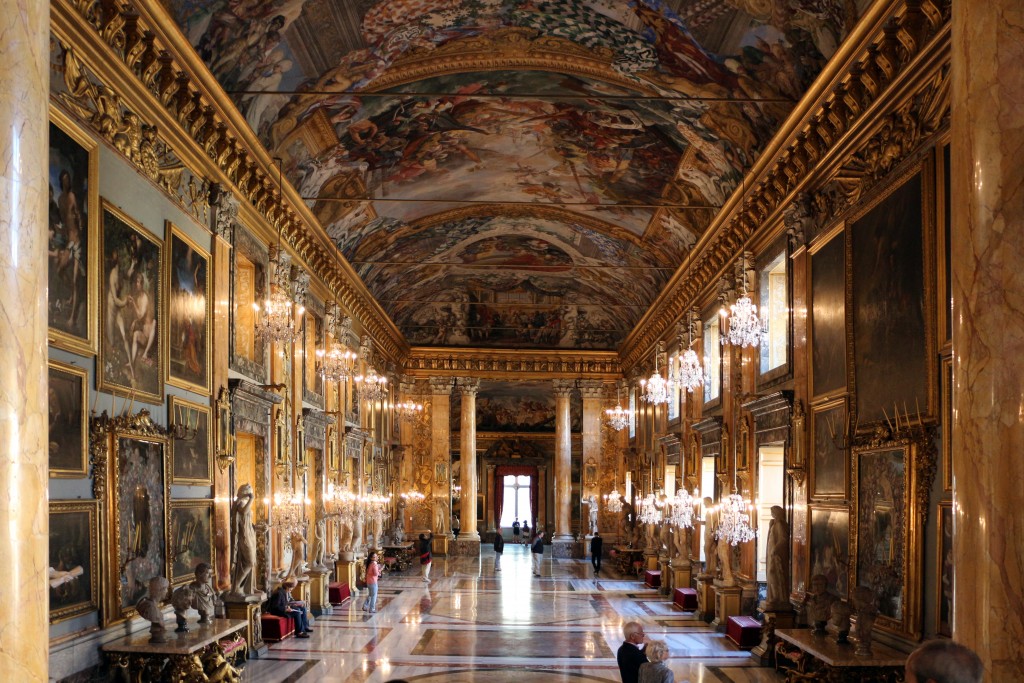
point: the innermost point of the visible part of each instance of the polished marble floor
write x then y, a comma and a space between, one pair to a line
472, 624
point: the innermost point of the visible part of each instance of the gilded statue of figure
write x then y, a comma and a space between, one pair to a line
778, 561
243, 559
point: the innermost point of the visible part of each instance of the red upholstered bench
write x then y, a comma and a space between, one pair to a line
338, 593
685, 599
275, 628
744, 631
652, 578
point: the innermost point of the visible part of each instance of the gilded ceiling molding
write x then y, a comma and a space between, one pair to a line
149, 64
508, 363
521, 49
892, 55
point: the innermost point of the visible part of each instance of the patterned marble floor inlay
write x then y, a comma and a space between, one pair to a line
473, 624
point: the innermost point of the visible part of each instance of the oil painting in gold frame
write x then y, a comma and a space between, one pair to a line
74, 568
188, 314
67, 407
190, 457
190, 538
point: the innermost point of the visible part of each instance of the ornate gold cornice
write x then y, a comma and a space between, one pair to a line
149, 64
511, 363
898, 46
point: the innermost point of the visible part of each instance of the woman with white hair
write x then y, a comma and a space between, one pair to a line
655, 670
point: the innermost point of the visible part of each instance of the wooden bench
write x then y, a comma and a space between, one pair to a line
685, 599
744, 631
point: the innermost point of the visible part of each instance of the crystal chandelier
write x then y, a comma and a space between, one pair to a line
655, 389
734, 521
338, 363
682, 509
408, 410
686, 371
745, 327
371, 386
618, 417
613, 501
650, 510
289, 512
275, 319
339, 502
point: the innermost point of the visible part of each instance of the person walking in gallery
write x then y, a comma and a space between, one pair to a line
631, 653
373, 571
943, 661
515, 531
538, 552
526, 532
596, 546
424, 549
499, 548
655, 670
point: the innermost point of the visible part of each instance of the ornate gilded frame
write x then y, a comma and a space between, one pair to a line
172, 233
105, 449
836, 409
173, 538
91, 509
84, 346
910, 451
179, 408
82, 418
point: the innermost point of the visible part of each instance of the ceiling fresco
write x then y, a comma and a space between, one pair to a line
515, 173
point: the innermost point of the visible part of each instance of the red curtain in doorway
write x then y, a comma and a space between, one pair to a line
503, 471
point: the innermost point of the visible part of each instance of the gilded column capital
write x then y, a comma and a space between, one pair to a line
440, 386
468, 385
591, 388
563, 387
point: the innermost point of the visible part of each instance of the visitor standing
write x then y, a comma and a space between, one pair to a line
526, 532
499, 548
596, 546
538, 552
424, 549
515, 531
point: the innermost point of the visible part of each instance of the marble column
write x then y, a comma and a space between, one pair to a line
440, 451
24, 193
220, 331
563, 461
988, 294
593, 410
468, 386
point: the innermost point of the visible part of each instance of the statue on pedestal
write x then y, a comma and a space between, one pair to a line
296, 569
680, 545
724, 551
202, 593
818, 603
149, 608
441, 516
592, 506
320, 538
357, 530
345, 534
778, 561
243, 558
710, 551
864, 603
181, 600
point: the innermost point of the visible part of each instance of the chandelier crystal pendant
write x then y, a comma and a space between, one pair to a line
618, 417
289, 512
734, 521
408, 410
650, 510
682, 509
745, 326
371, 386
613, 501
655, 389
338, 363
275, 318
687, 371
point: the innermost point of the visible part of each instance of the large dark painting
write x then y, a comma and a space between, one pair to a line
889, 305
881, 526
828, 463
73, 558
191, 537
828, 316
188, 312
131, 353
190, 456
72, 175
830, 547
142, 516
68, 435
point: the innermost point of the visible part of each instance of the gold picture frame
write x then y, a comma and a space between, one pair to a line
74, 560
65, 135
187, 267
129, 455
191, 459
828, 461
124, 334
190, 538
68, 408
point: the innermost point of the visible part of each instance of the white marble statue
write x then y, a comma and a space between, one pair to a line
778, 561
296, 569
243, 558
441, 515
680, 545
357, 531
593, 511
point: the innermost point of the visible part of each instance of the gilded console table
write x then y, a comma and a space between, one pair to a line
820, 658
186, 657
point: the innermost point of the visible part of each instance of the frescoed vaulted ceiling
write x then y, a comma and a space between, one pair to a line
515, 173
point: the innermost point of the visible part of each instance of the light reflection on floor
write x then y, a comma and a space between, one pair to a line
471, 624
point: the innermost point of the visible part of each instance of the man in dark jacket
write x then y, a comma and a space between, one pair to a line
280, 606
425, 555
631, 654
537, 551
499, 548
596, 545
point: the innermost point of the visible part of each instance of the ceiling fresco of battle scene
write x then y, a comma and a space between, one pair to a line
515, 173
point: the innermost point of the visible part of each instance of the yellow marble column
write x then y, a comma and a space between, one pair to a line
593, 410
440, 452
468, 387
24, 516
226, 216
563, 461
988, 296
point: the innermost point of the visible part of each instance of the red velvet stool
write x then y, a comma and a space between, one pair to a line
744, 631
338, 593
275, 628
685, 599
652, 578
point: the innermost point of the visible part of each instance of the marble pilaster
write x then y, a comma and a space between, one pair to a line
220, 331
468, 387
593, 409
987, 92
24, 192
563, 461
440, 452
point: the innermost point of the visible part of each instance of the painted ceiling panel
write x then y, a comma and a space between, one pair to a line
515, 172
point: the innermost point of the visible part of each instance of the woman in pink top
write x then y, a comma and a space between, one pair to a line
373, 570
